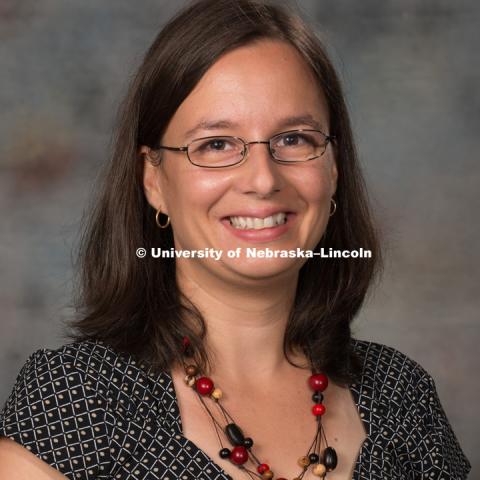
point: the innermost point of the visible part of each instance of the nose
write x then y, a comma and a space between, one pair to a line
260, 173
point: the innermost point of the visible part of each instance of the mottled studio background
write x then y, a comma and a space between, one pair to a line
411, 74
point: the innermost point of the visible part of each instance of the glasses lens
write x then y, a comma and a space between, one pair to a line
298, 145
216, 152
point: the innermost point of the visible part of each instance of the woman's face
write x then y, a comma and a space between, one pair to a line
253, 92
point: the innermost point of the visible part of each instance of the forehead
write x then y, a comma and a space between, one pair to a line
252, 86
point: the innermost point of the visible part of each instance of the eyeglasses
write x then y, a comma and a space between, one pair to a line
225, 151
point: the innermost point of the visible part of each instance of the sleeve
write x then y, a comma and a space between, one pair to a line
445, 456
56, 415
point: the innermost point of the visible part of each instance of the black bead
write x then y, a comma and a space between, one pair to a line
314, 458
317, 397
248, 443
234, 434
330, 458
224, 453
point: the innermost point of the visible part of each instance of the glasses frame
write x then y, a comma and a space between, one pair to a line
245, 151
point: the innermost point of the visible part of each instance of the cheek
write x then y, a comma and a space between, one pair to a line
193, 190
316, 184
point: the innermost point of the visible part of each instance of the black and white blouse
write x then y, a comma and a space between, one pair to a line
94, 414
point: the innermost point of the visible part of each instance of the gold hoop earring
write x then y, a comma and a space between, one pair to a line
332, 211
157, 221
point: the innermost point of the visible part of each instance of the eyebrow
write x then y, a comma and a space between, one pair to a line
287, 122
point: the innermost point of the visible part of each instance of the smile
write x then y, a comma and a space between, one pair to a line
255, 223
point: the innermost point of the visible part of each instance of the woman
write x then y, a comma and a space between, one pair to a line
224, 361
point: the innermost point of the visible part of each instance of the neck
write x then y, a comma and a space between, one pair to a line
245, 325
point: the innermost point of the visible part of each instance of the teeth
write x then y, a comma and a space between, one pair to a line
268, 222
255, 223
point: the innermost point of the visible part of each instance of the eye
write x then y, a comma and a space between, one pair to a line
291, 139
294, 139
215, 145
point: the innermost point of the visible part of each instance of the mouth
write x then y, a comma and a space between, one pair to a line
257, 223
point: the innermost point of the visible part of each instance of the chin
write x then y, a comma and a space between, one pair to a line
266, 268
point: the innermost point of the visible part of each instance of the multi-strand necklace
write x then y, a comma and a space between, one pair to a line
240, 452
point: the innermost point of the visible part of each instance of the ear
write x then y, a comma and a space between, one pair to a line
152, 179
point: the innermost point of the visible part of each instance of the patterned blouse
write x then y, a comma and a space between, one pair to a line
92, 413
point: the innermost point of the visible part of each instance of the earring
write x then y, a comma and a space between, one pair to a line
157, 221
334, 209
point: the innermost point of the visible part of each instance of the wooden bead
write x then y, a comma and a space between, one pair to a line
314, 458
190, 381
187, 347
318, 409
262, 468
186, 343
317, 397
319, 470
267, 475
204, 385
191, 370
234, 434
318, 382
225, 453
330, 458
239, 455
248, 442
303, 462
216, 394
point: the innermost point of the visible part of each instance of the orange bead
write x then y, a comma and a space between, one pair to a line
191, 370
303, 462
216, 394
267, 475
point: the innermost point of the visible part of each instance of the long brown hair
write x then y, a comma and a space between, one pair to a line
134, 304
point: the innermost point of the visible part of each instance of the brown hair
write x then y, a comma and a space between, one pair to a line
134, 304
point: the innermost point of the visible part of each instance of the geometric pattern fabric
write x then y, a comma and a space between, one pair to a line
92, 413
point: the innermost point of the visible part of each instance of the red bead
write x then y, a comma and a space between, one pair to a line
239, 455
262, 468
186, 343
204, 386
318, 382
318, 409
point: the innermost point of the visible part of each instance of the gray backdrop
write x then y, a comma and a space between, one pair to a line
411, 75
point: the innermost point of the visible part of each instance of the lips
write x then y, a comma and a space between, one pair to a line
254, 226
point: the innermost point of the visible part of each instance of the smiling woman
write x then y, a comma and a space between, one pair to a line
234, 137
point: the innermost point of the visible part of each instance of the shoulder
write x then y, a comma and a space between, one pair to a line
393, 381
398, 400
70, 403
83, 371
381, 362
92, 366
52, 378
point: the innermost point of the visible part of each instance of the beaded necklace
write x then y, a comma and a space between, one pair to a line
241, 452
